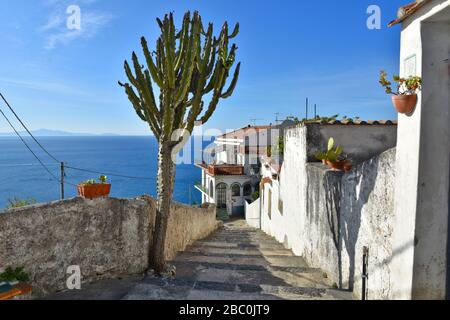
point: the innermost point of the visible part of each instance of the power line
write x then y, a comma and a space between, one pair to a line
109, 174
53, 157
29, 132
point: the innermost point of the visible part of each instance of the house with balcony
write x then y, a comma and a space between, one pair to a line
231, 167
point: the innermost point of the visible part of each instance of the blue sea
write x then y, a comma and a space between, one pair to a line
22, 176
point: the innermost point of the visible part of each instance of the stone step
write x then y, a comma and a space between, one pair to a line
276, 261
250, 244
240, 251
182, 289
250, 274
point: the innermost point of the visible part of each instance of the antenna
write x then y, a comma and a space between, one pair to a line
277, 114
307, 107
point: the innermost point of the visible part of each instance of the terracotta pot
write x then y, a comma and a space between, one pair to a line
92, 191
344, 165
405, 104
348, 166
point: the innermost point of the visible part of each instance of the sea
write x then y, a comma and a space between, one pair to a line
22, 176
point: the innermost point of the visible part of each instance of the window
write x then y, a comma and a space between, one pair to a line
247, 190
221, 193
236, 190
211, 189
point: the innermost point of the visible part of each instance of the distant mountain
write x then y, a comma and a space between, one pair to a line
55, 133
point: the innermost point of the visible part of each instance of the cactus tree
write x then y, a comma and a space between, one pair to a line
187, 65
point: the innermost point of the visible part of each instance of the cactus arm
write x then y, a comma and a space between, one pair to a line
233, 83
145, 87
184, 42
235, 32
151, 65
169, 47
190, 59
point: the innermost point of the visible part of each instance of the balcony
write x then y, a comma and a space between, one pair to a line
226, 170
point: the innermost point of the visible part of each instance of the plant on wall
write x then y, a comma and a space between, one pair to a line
405, 94
188, 65
16, 202
11, 275
334, 157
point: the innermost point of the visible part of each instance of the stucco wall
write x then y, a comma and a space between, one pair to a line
371, 139
252, 213
328, 217
105, 237
287, 227
347, 212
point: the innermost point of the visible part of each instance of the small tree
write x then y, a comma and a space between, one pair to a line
187, 65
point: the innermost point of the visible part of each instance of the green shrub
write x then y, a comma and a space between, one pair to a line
12, 275
19, 203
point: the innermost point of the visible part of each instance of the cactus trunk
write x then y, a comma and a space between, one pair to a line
165, 185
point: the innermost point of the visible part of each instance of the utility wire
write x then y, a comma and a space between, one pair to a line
23, 125
109, 174
53, 157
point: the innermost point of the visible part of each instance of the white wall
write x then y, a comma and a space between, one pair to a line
252, 213
287, 228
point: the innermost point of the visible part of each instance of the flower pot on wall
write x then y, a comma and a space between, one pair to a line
92, 191
405, 104
344, 165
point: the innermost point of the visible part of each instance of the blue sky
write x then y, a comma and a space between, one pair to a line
289, 49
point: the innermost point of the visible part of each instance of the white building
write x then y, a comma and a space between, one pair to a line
420, 263
231, 173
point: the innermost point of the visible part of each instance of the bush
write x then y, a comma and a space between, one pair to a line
11, 275
19, 203
255, 195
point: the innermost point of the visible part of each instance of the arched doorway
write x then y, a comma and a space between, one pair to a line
221, 196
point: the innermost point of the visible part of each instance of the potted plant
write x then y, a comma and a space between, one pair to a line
405, 97
92, 189
13, 276
13, 283
335, 157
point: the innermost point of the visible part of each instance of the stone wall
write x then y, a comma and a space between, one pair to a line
347, 212
105, 237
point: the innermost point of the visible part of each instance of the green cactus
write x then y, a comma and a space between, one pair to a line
332, 154
186, 66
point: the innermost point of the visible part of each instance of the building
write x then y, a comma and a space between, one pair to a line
421, 260
231, 166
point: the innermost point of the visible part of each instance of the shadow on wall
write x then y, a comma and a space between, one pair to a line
345, 200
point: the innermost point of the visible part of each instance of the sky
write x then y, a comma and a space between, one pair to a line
64, 79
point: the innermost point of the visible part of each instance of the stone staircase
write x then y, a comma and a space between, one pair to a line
237, 263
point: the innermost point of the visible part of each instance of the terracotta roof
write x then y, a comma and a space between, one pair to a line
241, 132
407, 10
355, 122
